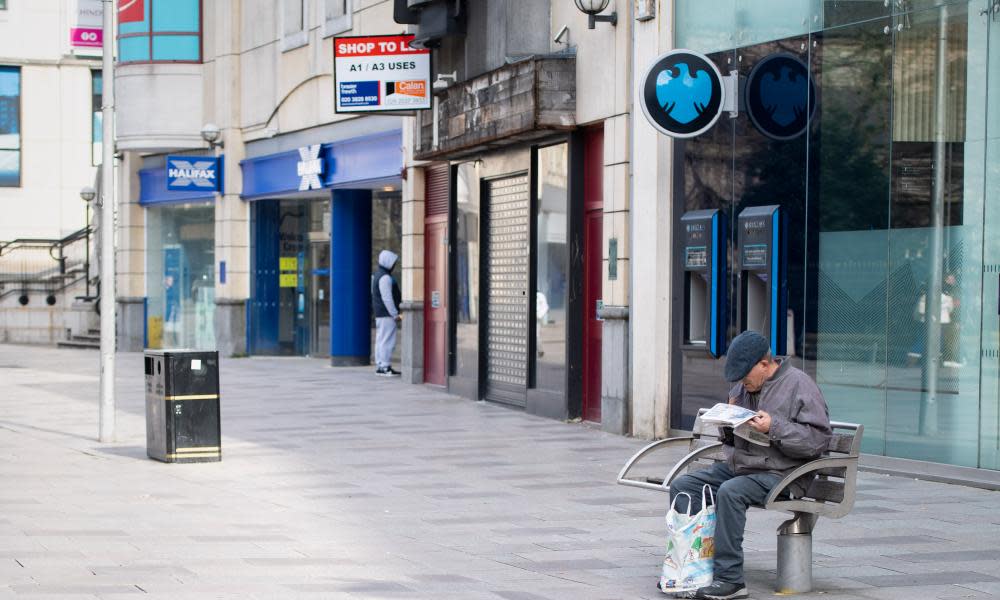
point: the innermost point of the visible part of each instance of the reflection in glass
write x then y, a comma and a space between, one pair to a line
852, 67
552, 257
467, 272
180, 276
933, 385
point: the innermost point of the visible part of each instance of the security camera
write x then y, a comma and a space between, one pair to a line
443, 79
561, 35
211, 134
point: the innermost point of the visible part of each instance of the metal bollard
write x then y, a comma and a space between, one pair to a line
795, 554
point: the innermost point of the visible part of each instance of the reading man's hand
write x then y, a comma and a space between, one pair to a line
761, 423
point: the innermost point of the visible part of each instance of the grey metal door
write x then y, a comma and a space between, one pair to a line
508, 253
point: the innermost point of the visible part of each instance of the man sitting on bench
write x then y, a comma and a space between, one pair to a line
792, 413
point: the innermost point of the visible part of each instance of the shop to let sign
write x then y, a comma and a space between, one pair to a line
380, 73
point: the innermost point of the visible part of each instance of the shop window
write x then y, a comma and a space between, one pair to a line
180, 276
159, 31
3, 4
97, 117
466, 273
551, 267
10, 127
338, 17
293, 24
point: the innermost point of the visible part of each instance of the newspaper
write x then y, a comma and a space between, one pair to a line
729, 415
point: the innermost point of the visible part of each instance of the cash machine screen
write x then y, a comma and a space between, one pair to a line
695, 257
754, 255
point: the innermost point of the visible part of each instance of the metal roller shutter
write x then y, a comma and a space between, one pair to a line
508, 265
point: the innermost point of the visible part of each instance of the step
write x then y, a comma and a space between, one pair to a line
78, 344
89, 337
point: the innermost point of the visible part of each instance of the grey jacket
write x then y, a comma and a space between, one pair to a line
800, 426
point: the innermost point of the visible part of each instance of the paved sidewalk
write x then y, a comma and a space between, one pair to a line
337, 484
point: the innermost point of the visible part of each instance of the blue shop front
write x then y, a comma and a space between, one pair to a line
179, 200
320, 214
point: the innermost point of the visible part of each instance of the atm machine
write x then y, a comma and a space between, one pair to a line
705, 281
763, 289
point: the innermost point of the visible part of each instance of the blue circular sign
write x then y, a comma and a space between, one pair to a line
682, 93
780, 96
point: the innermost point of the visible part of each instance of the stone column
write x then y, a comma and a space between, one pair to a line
413, 261
615, 414
232, 214
130, 257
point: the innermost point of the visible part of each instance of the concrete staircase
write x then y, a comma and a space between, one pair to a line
91, 339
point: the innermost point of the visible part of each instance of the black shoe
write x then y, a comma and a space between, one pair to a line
723, 590
384, 371
392, 372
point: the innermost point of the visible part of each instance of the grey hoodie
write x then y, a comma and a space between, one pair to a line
800, 425
387, 260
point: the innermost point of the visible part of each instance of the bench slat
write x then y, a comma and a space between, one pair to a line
826, 490
841, 442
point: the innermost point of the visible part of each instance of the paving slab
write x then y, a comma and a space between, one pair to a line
338, 484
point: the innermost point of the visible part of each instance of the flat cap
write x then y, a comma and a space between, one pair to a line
745, 351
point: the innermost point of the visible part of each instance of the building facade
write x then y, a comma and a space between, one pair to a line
517, 188
866, 133
281, 254
50, 146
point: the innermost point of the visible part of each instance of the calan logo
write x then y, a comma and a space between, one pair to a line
185, 173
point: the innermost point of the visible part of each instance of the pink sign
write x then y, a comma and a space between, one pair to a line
86, 37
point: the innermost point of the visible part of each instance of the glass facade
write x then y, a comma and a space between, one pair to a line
159, 31
180, 276
881, 149
97, 117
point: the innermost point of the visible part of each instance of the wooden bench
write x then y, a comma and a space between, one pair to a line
831, 493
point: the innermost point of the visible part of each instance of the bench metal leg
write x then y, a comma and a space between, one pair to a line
795, 554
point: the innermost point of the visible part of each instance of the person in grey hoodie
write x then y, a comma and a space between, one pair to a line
385, 304
793, 415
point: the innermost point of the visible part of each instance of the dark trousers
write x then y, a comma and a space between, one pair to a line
734, 494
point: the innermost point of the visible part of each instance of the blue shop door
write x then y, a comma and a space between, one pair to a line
264, 301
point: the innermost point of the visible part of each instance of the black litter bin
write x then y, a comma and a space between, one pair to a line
182, 406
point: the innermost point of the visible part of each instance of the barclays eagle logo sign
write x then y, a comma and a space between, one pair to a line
682, 94
193, 173
780, 96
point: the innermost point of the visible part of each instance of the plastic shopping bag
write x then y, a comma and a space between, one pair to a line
688, 563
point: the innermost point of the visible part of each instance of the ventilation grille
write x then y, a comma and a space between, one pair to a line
436, 190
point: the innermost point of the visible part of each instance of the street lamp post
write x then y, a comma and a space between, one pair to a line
107, 204
87, 194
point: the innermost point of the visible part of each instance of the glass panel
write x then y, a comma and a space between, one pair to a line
934, 245
177, 47
97, 121
293, 319
707, 184
849, 185
177, 15
836, 13
294, 15
180, 276
10, 126
989, 450
466, 269
705, 26
552, 262
335, 8
133, 49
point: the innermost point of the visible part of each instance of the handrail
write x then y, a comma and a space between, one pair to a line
52, 242
25, 263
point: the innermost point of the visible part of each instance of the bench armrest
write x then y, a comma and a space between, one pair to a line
832, 510
660, 445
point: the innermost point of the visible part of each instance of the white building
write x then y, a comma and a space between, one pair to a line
50, 133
